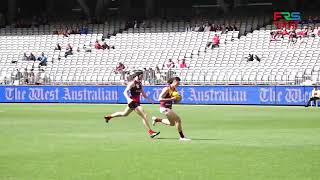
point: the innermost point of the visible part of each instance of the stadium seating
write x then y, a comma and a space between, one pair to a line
153, 46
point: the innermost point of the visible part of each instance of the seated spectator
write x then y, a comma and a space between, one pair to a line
229, 28
58, 47
293, 38
196, 28
253, 57
183, 64
87, 48
215, 42
83, 30
257, 58
120, 68
25, 57
43, 59
207, 27
201, 29
250, 58
106, 46
284, 32
235, 28
32, 57
97, 45
65, 34
170, 64
68, 51
274, 35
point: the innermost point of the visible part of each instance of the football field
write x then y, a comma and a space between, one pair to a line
72, 142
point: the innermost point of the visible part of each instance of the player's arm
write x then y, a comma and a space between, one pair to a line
163, 95
126, 92
145, 96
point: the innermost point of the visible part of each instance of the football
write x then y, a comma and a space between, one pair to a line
177, 95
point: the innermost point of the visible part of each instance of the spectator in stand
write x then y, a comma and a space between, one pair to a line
215, 42
196, 28
106, 46
145, 74
68, 51
235, 28
32, 57
31, 78
18, 75
152, 76
97, 45
303, 32
284, 32
201, 28
25, 57
84, 30
183, 63
213, 28
253, 57
250, 58
257, 58
310, 20
120, 68
65, 33
274, 35
43, 59
229, 28
86, 48
26, 76
158, 73
293, 38
170, 64
207, 27
58, 47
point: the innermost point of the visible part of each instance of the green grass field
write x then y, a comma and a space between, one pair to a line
72, 142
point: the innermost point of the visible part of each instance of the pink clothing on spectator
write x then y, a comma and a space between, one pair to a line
183, 65
216, 40
170, 64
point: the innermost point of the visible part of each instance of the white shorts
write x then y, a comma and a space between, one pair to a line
164, 110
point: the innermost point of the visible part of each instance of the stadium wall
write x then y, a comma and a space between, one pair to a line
246, 95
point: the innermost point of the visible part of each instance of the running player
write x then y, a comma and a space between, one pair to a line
166, 100
136, 89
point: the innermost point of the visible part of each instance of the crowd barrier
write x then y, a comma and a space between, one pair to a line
250, 95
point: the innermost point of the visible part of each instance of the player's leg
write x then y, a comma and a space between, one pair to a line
172, 116
124, 113
163, 121
174, 119
140, 111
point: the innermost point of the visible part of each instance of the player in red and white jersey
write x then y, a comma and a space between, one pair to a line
166, 99
135, 88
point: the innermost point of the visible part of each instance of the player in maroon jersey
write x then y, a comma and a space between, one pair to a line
135, 88
166, 100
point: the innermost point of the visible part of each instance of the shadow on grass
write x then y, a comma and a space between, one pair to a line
192, 139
